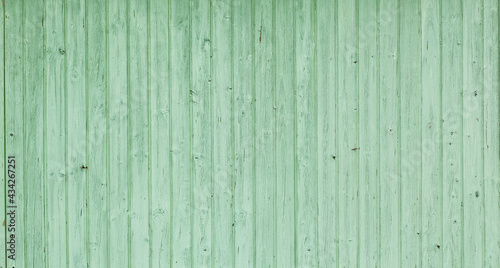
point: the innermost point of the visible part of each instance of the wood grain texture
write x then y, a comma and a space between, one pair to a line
409, 81
452, 132
232, 133
369, 136
431, 147
473, 134
389, 131
14, 82
243, 116
180, 139
97, 131
159, 124
117, 147
222, 135
326, 78
138, 133
33, 134
55, 134
263, 43
306, 137
491, 108
285, 132
348, 149
201, 138
76, 134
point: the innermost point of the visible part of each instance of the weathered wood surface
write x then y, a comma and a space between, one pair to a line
233, 133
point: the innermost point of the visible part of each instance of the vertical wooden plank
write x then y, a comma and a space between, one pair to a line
75, 99
14, 143
180, 139
451, 76
326, 59
347, 137
264, 133
491, 134
33, 134
409, 75
117, 136
244, 242
432, 191
306, 136
55, 134
368, 134
285, 132
138, 152
159, 115
3, 163
349, 148
96, 68
222, 95
473, 122
76, 125
201, 139
389, 132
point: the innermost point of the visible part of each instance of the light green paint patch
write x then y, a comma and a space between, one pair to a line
232, 133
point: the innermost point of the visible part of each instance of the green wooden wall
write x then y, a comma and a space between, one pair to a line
251, 133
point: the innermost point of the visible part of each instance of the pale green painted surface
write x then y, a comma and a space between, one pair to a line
233, 133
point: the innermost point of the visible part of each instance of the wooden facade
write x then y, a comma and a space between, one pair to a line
250, 133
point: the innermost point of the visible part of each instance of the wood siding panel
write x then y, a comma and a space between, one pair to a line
233, 133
